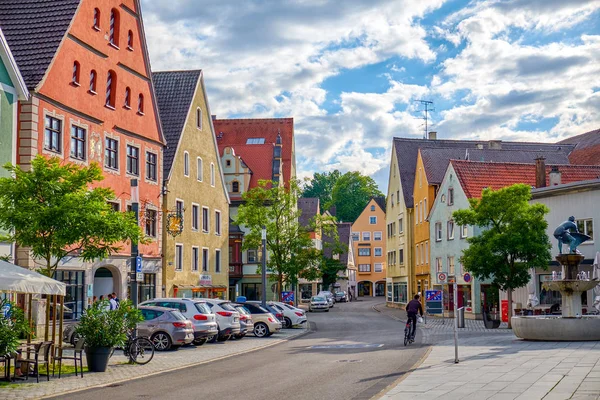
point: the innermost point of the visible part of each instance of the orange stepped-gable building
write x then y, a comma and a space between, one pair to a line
86, 65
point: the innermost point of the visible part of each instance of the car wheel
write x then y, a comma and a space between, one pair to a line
327, 310
287, 323
199, 342
223, 338
161, 341
261, 330
212, 339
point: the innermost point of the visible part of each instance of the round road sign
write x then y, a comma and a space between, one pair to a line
441, 276
467, 277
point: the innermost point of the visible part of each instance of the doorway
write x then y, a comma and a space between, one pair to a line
103, 282
364, 288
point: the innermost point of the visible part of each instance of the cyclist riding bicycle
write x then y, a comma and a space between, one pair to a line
412, 308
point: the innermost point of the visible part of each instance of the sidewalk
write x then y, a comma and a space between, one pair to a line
504, 367
119, 370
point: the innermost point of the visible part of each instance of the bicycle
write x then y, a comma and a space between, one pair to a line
139, 349
407, 330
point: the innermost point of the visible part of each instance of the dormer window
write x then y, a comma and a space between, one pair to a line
255, 141
96, 19
75, 78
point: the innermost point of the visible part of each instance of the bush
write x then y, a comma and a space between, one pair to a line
100, 327
12, 327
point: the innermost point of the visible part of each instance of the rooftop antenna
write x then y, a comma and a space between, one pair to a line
428, 107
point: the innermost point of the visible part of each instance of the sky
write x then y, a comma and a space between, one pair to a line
351, 72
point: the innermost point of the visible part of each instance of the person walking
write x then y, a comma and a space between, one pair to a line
113, 302
114, 295
412, 308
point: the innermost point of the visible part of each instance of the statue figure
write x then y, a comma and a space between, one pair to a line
563, 234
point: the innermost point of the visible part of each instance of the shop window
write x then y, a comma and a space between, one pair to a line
74, 295
147, 288
389, 292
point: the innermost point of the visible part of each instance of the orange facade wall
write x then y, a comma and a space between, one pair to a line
424, 195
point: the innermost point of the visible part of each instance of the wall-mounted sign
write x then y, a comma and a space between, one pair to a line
174, 223
205, 280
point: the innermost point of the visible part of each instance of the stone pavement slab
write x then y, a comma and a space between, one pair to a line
504, 367
119, 370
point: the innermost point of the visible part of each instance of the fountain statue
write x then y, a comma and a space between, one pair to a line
570, 282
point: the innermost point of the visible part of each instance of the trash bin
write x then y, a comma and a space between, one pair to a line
461, 317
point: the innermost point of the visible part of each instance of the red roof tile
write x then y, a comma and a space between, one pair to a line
475, 176
259, 157
587, 150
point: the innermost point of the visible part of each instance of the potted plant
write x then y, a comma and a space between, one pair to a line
104, 329
12, 327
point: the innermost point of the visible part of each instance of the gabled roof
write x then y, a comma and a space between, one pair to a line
309, 207
475, 176
407, 150
587, 150
174, 94
380, 200
34, 30
435, 160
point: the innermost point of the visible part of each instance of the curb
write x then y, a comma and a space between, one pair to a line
299, 334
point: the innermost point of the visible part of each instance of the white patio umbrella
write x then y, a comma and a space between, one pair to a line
533, 299
596, 276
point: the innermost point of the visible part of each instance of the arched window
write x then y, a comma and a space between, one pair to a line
111, 84
97, 19
130, 40
198, 118
186, 164
141, 104
114, 27
200, 173
235, 187
127, 98
75, 78
93, 81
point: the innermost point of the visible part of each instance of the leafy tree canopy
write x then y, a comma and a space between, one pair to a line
53, 210
321, 186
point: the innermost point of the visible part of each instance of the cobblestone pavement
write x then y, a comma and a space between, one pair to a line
504, 367
119, 370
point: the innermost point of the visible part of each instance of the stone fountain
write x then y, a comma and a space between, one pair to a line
571, 325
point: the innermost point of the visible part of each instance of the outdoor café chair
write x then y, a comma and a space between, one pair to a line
77, 356
41, 356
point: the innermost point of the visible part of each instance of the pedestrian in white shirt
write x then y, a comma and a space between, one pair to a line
113, 302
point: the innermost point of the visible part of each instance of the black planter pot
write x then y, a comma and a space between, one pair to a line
97, 358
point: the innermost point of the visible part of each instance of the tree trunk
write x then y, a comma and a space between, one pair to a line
509, 297
279, 286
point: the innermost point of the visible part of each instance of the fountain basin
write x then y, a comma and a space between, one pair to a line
570, 285
557, 328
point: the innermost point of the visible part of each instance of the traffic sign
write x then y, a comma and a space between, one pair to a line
433, 302
138, 264
287, 297
433, 295
139, 277
467, 277
441, 276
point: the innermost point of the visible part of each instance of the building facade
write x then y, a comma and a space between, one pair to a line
196, 203
369, 246
92, 100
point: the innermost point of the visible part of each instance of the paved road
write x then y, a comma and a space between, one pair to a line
351, 353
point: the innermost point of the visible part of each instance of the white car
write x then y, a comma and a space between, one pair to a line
292, 316
329, 296
318, 303
228, 319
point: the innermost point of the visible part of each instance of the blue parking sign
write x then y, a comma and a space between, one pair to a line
433, 295
138, 264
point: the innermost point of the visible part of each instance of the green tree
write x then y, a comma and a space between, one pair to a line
351, 194
321, 186
289, 245
513, 239
53, 210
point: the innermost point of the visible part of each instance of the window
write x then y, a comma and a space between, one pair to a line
178, 257
179, 208
218, 223
217, 260
111, 153
450, 230
75, 78
372, 220
151, 167
147, 288
364, 267
111, 83
133, 160
195, 216
235, 187
450, 196
439, 267
114, 28
366, 237
141, 104
364, 251
198, 118
186, 164
195, 258
127, 98
228, 163
205, 221
204, 260
451, 265
391, 202
356, 236
200, 172
464, 231
425, 210
212, 174
418, 255
378, 251
115, 205
401, 256
74, 296
438, 231
426, 258
389, 291
93, 81
398, 196
378, 267
421, 211
252, 258
52, 134
373, 208
400, 225
255, 141
377, 236
96, 19
416, 214
130, 40
151, 223
77, 142
586, 226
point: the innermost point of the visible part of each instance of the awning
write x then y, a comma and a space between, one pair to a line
21, 280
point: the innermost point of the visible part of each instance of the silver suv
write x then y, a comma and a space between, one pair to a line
195, 310
228, 319
166, 327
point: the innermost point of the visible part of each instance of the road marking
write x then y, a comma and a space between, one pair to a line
346, 346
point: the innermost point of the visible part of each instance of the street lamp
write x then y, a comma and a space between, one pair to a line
264, 266
135, 199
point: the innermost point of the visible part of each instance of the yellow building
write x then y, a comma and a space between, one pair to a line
196, 202
368, 241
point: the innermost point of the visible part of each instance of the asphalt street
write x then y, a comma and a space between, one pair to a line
352, 352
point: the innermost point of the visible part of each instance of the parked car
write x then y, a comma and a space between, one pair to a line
318, 303
273, 309
340, 296
228, 319
265, 323
329, 296
292, 316
196, 311
166, 327
246, 323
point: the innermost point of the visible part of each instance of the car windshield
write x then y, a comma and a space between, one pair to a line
203, 308
318, 299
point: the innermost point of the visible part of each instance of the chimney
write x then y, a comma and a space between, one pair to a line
432, 135
540, 172
554, 176
495, 144
214, 117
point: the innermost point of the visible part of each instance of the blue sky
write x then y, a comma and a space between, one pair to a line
350, 72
